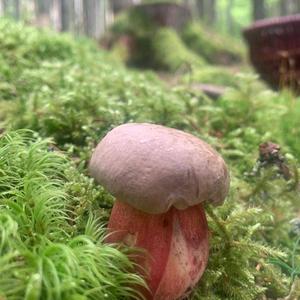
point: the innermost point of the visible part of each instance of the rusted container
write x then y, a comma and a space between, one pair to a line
274, 50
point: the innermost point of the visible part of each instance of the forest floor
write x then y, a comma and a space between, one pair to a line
56, 90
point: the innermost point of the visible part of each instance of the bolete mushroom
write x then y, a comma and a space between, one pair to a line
160, 177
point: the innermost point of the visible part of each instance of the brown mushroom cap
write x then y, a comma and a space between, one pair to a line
152, 168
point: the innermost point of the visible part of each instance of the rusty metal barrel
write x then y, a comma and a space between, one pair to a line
274, 50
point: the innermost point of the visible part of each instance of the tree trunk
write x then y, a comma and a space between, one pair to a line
186, 3
42, 12
211, 12
88, 17
229, 18
93, 14
259, 9
16, 11
296, 6
55, 17
200, 8
118, 5
65, 15
100, 17
78, 17
42, 6
8, 8
283, 7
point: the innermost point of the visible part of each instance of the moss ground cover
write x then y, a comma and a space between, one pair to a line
44, 254
211, 46
51, 241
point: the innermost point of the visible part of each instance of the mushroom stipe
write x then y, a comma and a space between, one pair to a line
176, 243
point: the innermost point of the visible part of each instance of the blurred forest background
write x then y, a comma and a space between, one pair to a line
93, 17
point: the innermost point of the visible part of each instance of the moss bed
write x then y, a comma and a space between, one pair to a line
58, 97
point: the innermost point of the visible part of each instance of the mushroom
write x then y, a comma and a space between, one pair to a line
160, 177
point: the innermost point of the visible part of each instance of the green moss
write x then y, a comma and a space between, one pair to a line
45, 202
212, 75
133, 22
120, 51
45, 252
171, 54
77, 100
214, 48
289, 122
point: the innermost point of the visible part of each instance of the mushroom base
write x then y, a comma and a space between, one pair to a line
176, 245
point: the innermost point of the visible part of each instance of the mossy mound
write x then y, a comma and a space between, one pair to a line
164, 48
214, 48
169, 53
142, 43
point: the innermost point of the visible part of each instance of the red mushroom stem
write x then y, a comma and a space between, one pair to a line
176, 245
